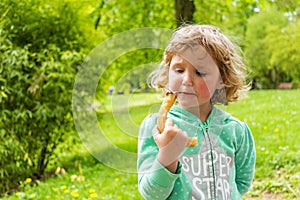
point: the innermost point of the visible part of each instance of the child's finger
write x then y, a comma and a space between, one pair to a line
169, 123
155, 132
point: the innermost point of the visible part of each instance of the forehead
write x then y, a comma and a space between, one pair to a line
196, 56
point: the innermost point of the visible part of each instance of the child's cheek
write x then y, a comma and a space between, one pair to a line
203, 90
173, 86
174, 82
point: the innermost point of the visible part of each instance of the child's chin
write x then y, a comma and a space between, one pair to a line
189, 105
188, 99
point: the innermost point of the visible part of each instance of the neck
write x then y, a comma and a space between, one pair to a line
205, 111
202, 112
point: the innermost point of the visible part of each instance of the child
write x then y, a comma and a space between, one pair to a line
203, 67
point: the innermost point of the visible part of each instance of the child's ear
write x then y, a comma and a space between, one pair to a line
220, 85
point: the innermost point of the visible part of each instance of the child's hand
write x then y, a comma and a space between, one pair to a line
171, 142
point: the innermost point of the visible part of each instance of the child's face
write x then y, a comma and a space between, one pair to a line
194, 76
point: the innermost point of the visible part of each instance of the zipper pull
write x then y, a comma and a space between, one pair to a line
205, 124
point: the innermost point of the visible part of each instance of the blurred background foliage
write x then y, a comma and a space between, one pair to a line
43, 43
40, 48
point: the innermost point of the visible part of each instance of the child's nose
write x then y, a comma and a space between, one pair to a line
187, 79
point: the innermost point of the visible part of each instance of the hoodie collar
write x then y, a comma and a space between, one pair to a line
217, 116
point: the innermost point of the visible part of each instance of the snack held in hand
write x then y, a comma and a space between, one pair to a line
167, 103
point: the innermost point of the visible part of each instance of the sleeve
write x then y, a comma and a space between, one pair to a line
245, 160
154, 180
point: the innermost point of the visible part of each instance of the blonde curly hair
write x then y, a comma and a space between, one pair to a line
224, 52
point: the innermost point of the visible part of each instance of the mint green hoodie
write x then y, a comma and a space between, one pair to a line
221, 166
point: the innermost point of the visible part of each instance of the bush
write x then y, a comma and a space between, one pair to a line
39, 55
36, 91
38, 23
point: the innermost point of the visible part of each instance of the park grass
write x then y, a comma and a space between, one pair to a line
272, 115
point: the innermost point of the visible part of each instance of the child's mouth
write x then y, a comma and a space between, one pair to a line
186, 93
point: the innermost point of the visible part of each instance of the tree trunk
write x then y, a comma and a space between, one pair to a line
184, 11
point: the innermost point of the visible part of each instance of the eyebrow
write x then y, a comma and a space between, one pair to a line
177, 63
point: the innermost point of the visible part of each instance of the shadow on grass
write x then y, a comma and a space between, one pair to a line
110, 157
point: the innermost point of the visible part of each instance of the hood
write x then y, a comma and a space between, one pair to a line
215, 118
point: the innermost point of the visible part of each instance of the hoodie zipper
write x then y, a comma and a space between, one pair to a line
212, 182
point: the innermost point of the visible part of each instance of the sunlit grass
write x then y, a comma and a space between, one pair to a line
272, 115
86, 179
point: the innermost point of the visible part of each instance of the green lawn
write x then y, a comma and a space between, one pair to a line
272, 115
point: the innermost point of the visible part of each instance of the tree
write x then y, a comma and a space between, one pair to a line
233, 17
285, 50
113, 17
184, 11
258, 48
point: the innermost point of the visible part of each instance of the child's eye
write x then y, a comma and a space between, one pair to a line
178, 70
201, 74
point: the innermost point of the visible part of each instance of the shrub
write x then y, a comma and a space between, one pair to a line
39, 55
36, 91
